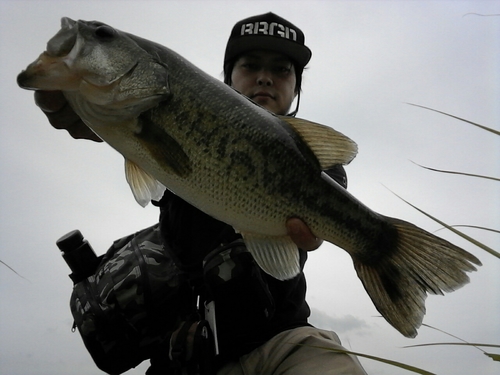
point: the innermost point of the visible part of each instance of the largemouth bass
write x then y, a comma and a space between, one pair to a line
179, 128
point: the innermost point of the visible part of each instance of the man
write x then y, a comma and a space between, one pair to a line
261, 322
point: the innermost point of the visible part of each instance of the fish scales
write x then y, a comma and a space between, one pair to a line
246, 168
249, 141
181, 129
254, 139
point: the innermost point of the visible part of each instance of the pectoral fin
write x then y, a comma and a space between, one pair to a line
277, 256
144, 186
330, 146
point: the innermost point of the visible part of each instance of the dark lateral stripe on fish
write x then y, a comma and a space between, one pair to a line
163, 147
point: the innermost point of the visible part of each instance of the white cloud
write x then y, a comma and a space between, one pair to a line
339, 325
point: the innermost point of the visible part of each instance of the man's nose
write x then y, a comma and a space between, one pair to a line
264, 78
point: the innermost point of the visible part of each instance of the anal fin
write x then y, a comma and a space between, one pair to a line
277, 256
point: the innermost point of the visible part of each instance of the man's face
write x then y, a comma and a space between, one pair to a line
268, 78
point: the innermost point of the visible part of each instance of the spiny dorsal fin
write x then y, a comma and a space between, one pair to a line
330, 146
144, 186
277, 256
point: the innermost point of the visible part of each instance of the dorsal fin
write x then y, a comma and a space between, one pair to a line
329, 146
144, 186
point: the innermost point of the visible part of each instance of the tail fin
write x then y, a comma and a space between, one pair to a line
421, 263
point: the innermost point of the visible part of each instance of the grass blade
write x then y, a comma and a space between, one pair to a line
458, 118
480, 15
475, 344
459, 173
472, 226
461, 234
379, 359
13, 270
494, 356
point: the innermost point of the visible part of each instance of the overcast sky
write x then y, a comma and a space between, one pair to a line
369, 59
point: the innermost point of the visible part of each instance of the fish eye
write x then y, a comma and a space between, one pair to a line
105, 32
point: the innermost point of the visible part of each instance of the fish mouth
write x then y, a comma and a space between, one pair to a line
50, 71
59, 66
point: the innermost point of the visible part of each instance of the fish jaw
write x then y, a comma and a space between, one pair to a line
52, 70
48, 73
75, 60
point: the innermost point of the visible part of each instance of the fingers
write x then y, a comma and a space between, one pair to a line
50, 101
62, 116
300, 233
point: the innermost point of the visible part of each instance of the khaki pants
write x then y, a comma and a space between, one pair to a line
296, 352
